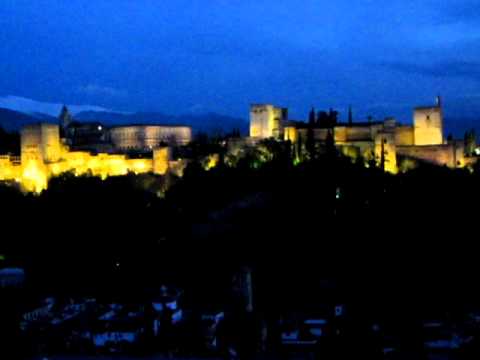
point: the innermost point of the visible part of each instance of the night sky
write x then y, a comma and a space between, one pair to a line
181, 56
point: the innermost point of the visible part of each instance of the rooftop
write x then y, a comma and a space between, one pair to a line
431, 107
150, 125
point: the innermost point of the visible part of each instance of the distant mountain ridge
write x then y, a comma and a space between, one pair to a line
12, 120
30, 106
211, 123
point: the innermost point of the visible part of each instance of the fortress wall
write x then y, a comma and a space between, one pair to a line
404, 135
450, 155
290, 134
360, 133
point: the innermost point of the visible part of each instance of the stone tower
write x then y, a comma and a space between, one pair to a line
428, 124
267, 121
40, 142
40, 145
65, 119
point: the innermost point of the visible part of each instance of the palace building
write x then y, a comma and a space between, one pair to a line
148, 137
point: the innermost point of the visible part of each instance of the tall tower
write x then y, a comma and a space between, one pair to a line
65, 119
428, 124
267, 121
40, 142
40, 145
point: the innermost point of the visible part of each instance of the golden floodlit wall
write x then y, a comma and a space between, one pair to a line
290, 134
451, 155
341, 136
161, 159
43, 156
102, 165
358, 133
7, 170
404, 135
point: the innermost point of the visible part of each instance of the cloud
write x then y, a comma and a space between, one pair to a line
448, 69
104, 91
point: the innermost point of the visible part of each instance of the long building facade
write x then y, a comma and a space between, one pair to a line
148, 137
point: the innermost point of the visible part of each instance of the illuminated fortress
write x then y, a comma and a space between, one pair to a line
45, 154
89, 148
372, 140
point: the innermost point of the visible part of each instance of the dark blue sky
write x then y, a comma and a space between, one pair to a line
179, 56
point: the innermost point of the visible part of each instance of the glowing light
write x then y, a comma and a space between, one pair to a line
161, 157
211, 161
291, 134
34, 177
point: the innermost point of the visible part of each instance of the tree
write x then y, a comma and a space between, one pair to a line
470, 142
382, 155
322, 119
333, 117
330, 144
65, 119
310, 141
311, 117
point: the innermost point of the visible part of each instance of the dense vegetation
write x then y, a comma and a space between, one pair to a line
392, 246
329, 215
